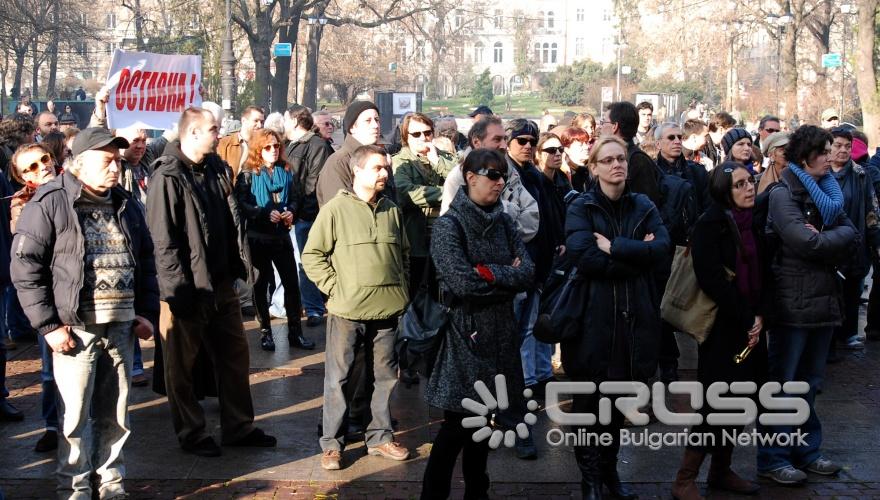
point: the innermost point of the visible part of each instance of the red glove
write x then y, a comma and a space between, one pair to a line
485, 273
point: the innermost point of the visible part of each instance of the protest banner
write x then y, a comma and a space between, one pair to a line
150, 90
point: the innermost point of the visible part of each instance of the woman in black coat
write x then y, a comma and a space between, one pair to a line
728, 252
616, 239
814, 237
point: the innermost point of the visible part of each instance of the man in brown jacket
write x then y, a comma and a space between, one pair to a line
234, 147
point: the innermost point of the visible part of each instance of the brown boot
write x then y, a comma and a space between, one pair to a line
722, 478
685, 486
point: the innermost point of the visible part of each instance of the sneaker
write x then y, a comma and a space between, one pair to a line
331, 460
47, 442
853, 343
787, 475
390, 450
823, 466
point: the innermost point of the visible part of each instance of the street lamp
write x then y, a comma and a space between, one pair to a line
779, 22
845, 9
227, 65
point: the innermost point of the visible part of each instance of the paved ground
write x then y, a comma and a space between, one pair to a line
287, 394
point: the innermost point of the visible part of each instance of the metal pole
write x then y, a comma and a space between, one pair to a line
778, 58
227, 65
618, 60
842, 69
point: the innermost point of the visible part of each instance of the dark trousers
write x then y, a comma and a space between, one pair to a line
669, 352
852, 294
594, 460
222, 337
873, 316
450, 441
264, 253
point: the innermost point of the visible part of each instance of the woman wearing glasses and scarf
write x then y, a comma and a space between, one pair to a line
728, 238
482, 264
616, 239
268, 198
814, 236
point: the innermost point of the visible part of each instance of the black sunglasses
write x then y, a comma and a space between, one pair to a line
427, 133
491, 174
46, 159
672, 137
771, 130
554, 151
522, 141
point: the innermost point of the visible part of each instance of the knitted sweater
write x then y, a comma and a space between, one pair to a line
107, 294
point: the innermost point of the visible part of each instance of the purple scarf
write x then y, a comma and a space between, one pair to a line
748, 270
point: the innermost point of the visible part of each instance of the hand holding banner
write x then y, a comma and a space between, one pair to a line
151, 90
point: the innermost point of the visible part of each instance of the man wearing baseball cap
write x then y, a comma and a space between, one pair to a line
830, 118
86, 279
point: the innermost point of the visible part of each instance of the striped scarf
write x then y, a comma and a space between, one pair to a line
826, 194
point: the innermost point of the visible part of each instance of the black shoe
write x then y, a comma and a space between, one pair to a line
314, 321
525, 448
299, 340
206, 447
47, 442
9, 413
257, 438
591, 488
267, 342
615, 487
249, 311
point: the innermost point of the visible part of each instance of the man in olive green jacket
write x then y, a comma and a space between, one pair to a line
357, 253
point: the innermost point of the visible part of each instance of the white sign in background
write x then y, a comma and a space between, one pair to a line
151, 90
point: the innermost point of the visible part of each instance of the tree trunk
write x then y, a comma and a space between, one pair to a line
310, 85
19, 69
53, 51
866, 79
139, 27
788, 54
35, 72
281, 80
260, 52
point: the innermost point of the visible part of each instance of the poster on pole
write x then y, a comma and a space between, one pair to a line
151, 90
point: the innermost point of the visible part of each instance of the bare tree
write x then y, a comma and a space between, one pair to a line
866, 69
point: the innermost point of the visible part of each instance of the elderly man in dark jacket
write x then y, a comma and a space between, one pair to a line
197, 259
86, 279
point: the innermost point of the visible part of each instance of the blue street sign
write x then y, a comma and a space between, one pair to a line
282, 50
832, 60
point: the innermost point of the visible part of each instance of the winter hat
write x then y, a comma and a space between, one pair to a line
859, 149
521, 126
733, 136
774, 140
353, 112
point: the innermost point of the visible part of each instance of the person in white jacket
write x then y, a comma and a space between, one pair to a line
518, 203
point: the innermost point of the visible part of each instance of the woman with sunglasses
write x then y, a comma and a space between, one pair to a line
813, 236
576, 142
616, 240
728, 252
549, 161
482, 264
267, 195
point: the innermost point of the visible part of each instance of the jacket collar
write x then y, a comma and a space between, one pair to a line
350, 143
72, 188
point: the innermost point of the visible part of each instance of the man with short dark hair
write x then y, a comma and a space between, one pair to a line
646, 119
190, 215
234, 147
480, 113
718, 126
47, 123
693, 140
365, 278
88, 304
622, 119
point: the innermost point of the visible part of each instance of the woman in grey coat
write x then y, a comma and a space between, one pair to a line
482, 263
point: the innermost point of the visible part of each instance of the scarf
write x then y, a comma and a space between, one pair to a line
826, 194
748, 275
271, 191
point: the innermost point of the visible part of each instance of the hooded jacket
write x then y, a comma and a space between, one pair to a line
49, 247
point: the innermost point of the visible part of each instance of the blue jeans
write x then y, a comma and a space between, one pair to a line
137, 367
796, 354
535, 355
49, 395
312, 300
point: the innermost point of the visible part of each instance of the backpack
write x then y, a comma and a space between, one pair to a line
678, 203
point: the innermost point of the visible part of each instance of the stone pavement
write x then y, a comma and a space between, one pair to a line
287, 396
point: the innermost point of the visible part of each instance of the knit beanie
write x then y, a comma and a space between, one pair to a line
859, 149
733, 136
521, 126
353, 112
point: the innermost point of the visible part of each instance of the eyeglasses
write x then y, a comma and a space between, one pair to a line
554, 151
491, 174
522, 141
743, 183
271, 147
772, 130
46, 159
426, 133
672, 137
611, 159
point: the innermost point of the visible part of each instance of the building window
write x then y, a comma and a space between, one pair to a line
580, 15
81, 48
478, 52
420, 50
194, 22
550, 21
537, 52
553, 47
401, 49
499, 19
541, 19
110, 47
579, 47
83, 19
459, 18
606, 15
499, 52
110, 21
459, 54
478, 23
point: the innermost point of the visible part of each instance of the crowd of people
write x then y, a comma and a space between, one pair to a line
106, 238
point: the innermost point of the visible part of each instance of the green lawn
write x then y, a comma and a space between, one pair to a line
528, 106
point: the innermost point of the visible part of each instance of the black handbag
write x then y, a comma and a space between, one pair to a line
563, 306
422, 329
